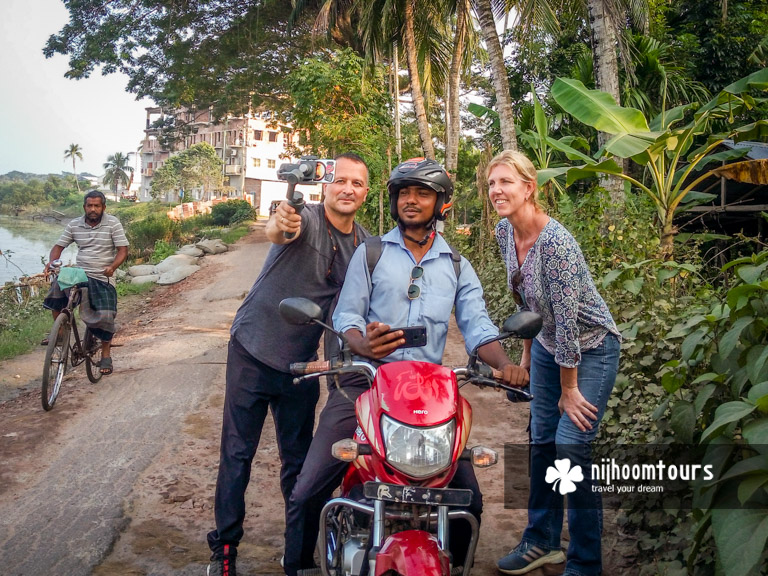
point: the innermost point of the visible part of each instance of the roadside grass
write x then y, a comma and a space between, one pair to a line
127, 289
23, 328
235, 233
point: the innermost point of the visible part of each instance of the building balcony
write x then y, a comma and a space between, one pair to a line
233, 169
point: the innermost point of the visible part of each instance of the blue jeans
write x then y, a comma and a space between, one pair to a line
555, 436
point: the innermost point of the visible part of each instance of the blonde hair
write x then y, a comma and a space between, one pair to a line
522, 165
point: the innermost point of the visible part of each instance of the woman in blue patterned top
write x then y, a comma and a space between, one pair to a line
573, 364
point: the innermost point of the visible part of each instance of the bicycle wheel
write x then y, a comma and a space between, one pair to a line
55, 360
92, 350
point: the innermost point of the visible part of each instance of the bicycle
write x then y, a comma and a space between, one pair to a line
59, 350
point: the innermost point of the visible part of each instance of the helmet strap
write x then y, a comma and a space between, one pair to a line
426, 238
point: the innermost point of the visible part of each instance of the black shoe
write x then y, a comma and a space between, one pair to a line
222, 564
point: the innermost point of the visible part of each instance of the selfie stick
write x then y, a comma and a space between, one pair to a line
294, 197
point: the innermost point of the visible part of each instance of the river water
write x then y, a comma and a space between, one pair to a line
25, 245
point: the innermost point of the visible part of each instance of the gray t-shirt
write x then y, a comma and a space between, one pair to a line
96, 245
298, 269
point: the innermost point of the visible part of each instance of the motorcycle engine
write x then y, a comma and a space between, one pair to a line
353, 555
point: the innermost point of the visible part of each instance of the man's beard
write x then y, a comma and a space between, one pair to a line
93, 219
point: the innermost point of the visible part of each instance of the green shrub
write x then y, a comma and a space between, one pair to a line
143, 234
162, 250
191, 226
232, 212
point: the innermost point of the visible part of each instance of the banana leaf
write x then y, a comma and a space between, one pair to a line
597, 109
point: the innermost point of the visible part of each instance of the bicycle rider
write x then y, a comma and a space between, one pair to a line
102, 247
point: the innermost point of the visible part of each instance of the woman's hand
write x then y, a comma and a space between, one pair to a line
581, 412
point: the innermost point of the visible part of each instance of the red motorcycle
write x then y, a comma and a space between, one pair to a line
413, 425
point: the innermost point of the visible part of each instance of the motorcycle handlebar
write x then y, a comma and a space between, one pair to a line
484, 375
306, 370
302, 368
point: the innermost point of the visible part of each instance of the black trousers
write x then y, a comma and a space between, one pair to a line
252, 388
322, 474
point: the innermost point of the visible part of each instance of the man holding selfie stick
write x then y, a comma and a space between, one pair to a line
311, 246
415, 281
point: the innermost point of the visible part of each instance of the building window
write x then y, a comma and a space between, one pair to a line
314, 197
270, 163
272, 136
258, 135
257, 162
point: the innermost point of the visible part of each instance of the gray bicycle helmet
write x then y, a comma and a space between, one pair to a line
421, 172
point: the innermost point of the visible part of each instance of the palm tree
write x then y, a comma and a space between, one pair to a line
605, 18
74, 151
421, 31
505, 110
461, 42
116, 170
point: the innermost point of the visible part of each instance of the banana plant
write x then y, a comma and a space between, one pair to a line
540, 144
665, 145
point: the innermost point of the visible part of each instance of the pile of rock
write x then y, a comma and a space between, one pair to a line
177, 267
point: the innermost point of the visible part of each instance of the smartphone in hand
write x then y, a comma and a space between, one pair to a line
414, 336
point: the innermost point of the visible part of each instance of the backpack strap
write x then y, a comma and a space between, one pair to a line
373, 254
456, 257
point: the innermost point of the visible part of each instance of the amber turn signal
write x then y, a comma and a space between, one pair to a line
345, 450
483, 457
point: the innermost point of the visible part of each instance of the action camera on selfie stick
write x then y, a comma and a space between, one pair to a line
309, 169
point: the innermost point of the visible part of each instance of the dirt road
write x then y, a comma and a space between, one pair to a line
119, 478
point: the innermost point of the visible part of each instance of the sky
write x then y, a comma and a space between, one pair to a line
42, 112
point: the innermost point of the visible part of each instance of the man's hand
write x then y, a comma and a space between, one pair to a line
515, 376
378, 341
284, 220
108, 271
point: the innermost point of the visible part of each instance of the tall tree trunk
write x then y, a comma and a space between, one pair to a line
452, 116
416, 94
606, 70
498, 74
77, 183
396, 90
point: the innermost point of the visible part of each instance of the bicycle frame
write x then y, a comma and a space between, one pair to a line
76, 350
63, 349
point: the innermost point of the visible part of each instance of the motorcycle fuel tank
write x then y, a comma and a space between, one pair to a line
417, 393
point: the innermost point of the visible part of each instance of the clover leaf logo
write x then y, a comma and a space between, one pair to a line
565, 475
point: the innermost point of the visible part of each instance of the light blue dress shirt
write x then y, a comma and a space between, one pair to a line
384, 297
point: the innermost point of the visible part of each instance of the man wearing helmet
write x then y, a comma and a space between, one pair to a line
413, 283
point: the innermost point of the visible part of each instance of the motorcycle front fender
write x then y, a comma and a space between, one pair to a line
412, 553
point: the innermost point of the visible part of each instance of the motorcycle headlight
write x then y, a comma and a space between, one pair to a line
418, 452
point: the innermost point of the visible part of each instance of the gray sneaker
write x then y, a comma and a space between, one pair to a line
222, 565
526, 557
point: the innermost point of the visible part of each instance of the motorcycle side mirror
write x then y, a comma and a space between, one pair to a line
300, 311
524, 324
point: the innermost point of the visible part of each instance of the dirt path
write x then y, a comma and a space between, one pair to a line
119, 478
